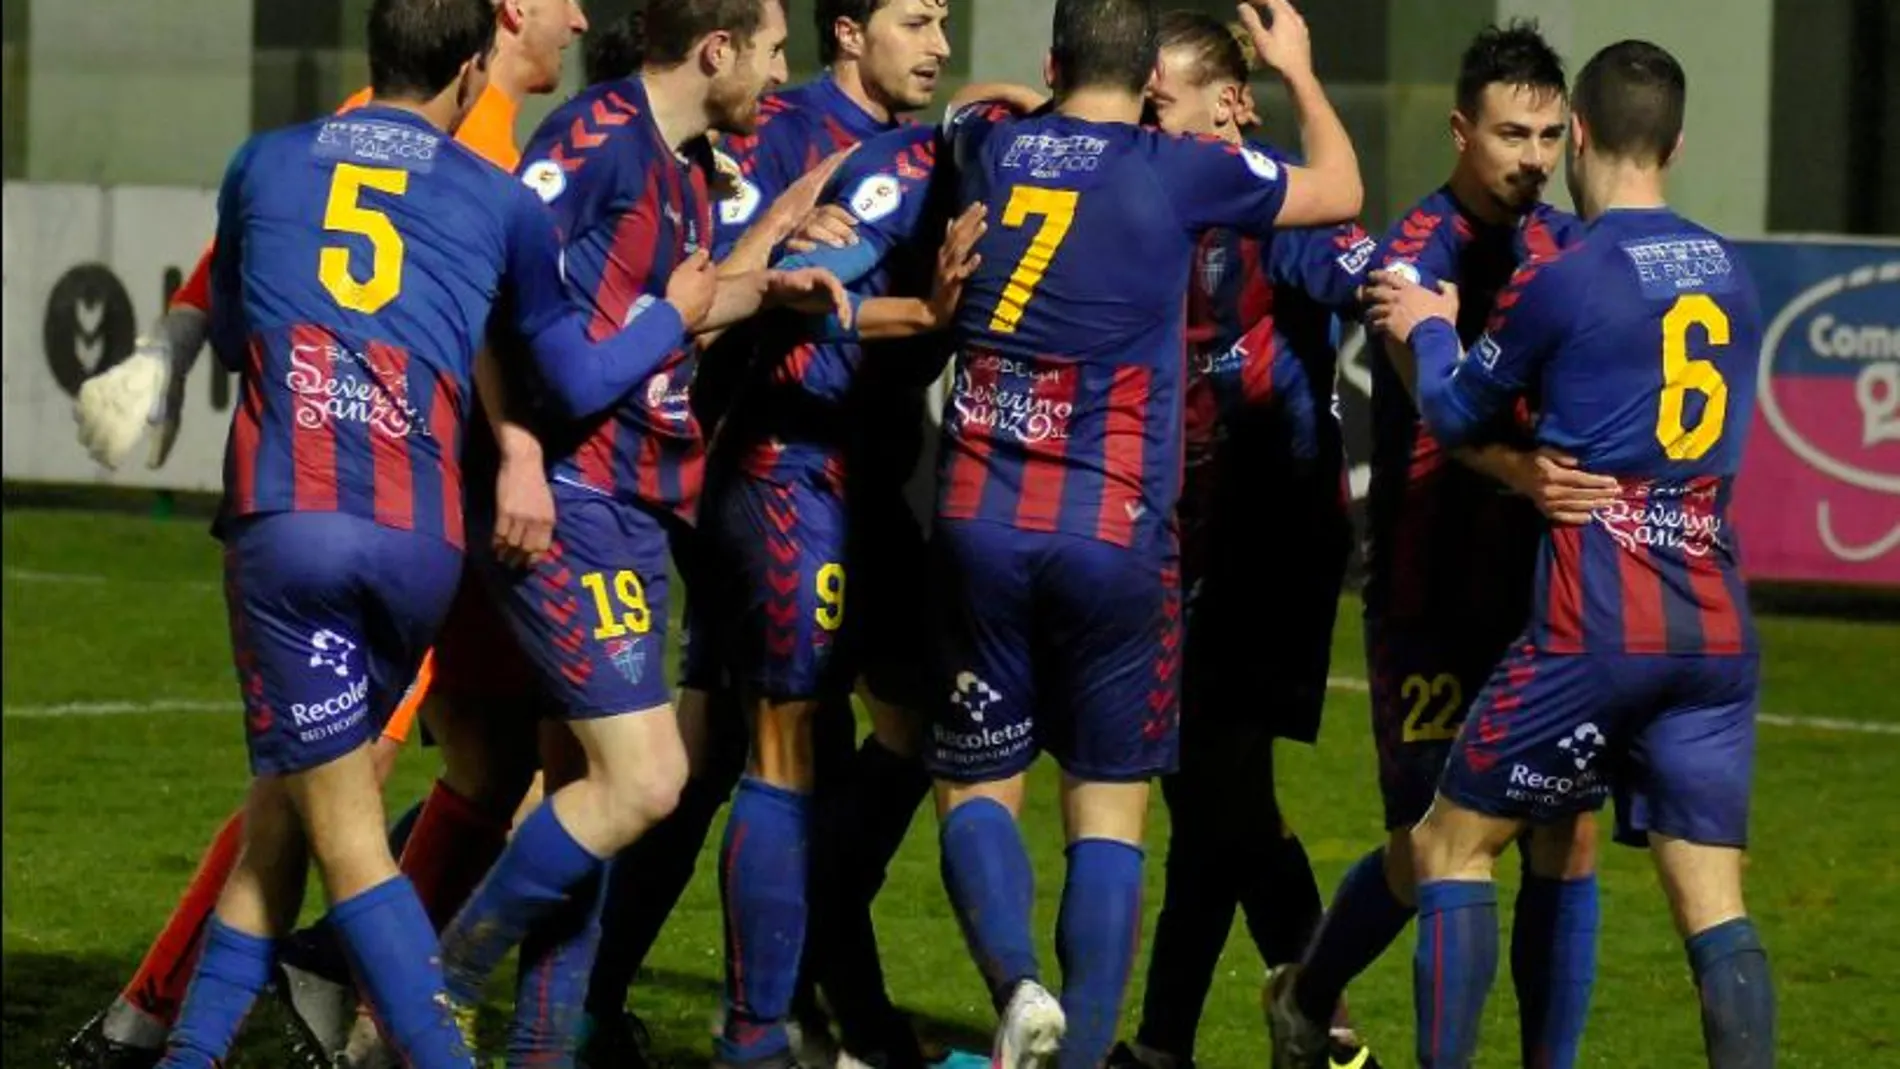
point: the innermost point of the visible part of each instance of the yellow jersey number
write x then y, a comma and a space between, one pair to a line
1683, 373
830, 588
1426, 723
1056, 207
346, 214
632, 615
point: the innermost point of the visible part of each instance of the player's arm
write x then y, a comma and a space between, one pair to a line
584, 376
891, 318
1459, 392
1328, 189
524, 502
1327, 264
740, 297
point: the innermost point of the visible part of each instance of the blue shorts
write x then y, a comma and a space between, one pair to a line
1054, 642
1671, 737
781, 547
893, 600
1422, 680
330, 615
591, 615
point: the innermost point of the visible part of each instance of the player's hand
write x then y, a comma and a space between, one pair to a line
829, 225
116, 407
1396, 305
1281, 38
692, 287
957, 260
788, 213
524, 510
809, 289
1562, 490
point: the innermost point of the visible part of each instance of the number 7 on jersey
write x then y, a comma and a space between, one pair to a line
1056, 207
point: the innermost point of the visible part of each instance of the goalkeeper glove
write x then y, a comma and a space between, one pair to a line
144, 391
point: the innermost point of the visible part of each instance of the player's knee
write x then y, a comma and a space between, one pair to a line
650, 792
899, 730
1566, 850
783, 754
1455, 843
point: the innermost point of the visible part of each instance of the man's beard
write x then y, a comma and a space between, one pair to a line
734, 111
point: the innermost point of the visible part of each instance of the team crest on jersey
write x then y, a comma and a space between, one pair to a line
742, 197
1406, 270
876, 198
629, 658
546, 178
1260, 163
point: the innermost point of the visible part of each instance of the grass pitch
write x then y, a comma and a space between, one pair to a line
123, 751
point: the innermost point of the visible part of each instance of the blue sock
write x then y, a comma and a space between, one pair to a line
1457, 959
530, 880
992, 888
557, 956
763, 870
1096, 934
1738, 995
1554, 966
232, 969
1363, 921
398, 969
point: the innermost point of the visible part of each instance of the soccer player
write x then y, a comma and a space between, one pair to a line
625, 166
530, 38
1450, 557
882, 61
1061, 472
358, 259
1638, 671
1265, 537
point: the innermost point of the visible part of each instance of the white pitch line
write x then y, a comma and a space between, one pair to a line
1345, 683
61, 710
33, 575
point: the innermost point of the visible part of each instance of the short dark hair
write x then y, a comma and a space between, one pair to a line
1514, 54
673, 25
1106, 43
826, 15
1217, 52
1631, 95
614, 51
417, 47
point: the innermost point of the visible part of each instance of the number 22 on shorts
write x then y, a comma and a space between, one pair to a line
1424, 723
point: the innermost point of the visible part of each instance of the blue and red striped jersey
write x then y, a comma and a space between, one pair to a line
1444, 543
813, 408
1643, 343
630, 208
798, 128
1066, 410
357, 261
1262, 363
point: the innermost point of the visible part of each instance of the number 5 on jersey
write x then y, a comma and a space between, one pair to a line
1057, 209
346, 214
